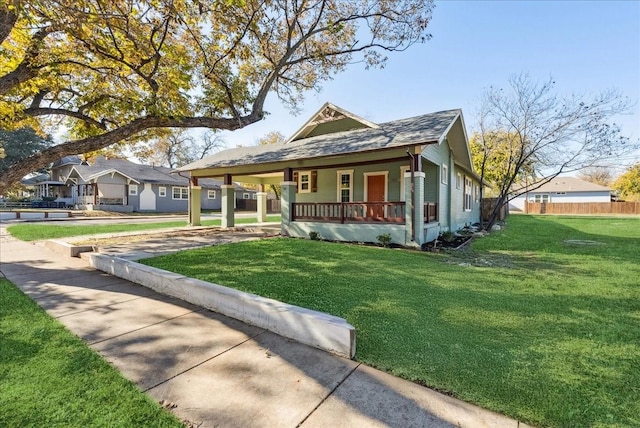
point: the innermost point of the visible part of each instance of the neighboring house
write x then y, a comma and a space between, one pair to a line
563, 189
351, 180
121, 185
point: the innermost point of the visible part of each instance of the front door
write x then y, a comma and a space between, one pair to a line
375, 193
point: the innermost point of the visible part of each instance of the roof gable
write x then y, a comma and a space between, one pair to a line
328, 120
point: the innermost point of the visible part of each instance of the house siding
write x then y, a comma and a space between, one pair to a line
517, 204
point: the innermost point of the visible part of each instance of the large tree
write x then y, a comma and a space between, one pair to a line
597, 174
177, 148
628, 184
113, 71
528, 135
20, 144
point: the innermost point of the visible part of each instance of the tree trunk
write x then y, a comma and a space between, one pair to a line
42, 159
495, 212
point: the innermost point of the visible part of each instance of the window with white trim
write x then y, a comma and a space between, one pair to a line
180, 192
211, 194
304, 182
162, 192
476, 188
458, 180
345, 186
403, 171
445, 174
468, 188
133, 189
544, 198
246, 196
254, 196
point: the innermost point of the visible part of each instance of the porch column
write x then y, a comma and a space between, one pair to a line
414, 219
195, 205
228, 199
262, 204
287, 199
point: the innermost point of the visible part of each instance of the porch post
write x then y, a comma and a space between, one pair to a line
262, 204
417, 216
287, 198
228, 199
195, 205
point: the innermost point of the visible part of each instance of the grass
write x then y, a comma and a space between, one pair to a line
50, 378
523, 323
39, 231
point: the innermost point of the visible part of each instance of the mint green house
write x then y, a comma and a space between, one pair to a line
351, 180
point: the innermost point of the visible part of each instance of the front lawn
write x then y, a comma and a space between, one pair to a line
50, 378
539, 322
40, 231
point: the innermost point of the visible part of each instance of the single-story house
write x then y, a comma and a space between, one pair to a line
350, 179
562, 190
122, 185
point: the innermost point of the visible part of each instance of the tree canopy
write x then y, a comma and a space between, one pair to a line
19, 144
120, 70
528, 135
628, 184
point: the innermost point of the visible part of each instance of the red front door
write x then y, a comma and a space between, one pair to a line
375, 193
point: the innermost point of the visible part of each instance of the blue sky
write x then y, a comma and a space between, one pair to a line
585, 46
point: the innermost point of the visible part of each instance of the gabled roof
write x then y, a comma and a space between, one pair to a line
426, 129
338, 118
570, 184
67, 160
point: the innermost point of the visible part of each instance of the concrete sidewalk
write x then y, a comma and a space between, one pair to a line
219, 371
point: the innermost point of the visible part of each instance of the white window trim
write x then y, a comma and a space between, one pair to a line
444, 174
173, 193
339, 175
162, 192
458, 180
246, 196
300, 189
386, 184
133, 190
403, 171
254, 196
210, 193
467, 192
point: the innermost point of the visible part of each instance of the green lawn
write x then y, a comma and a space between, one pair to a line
524, 323
40, 231
50, 378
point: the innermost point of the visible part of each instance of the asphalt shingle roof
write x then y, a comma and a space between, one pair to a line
404, 132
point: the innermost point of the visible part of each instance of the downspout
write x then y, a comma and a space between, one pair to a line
412, 202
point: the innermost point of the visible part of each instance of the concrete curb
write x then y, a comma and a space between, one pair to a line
317, 329
67, 249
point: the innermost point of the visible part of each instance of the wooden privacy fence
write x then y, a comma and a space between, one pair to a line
631, 208
487, 207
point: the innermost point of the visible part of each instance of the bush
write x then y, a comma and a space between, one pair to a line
314, 236
384, 239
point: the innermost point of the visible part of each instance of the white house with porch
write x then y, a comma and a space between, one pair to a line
350, 179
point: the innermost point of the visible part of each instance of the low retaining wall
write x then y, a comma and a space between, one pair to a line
317, 329
67, 249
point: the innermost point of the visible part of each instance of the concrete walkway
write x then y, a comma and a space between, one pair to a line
218, 371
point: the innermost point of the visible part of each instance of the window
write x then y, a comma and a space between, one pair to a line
133, 189
445, 174
458, 180
211, 194
403, 171
345, 186
468, 188
304, 185
541, 198
477, 192
246, 196
561, 193
180, 192
162, 192
254, 196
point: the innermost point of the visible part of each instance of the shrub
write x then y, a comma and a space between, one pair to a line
384, 239
314, 236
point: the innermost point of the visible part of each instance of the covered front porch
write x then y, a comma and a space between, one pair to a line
340, 202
